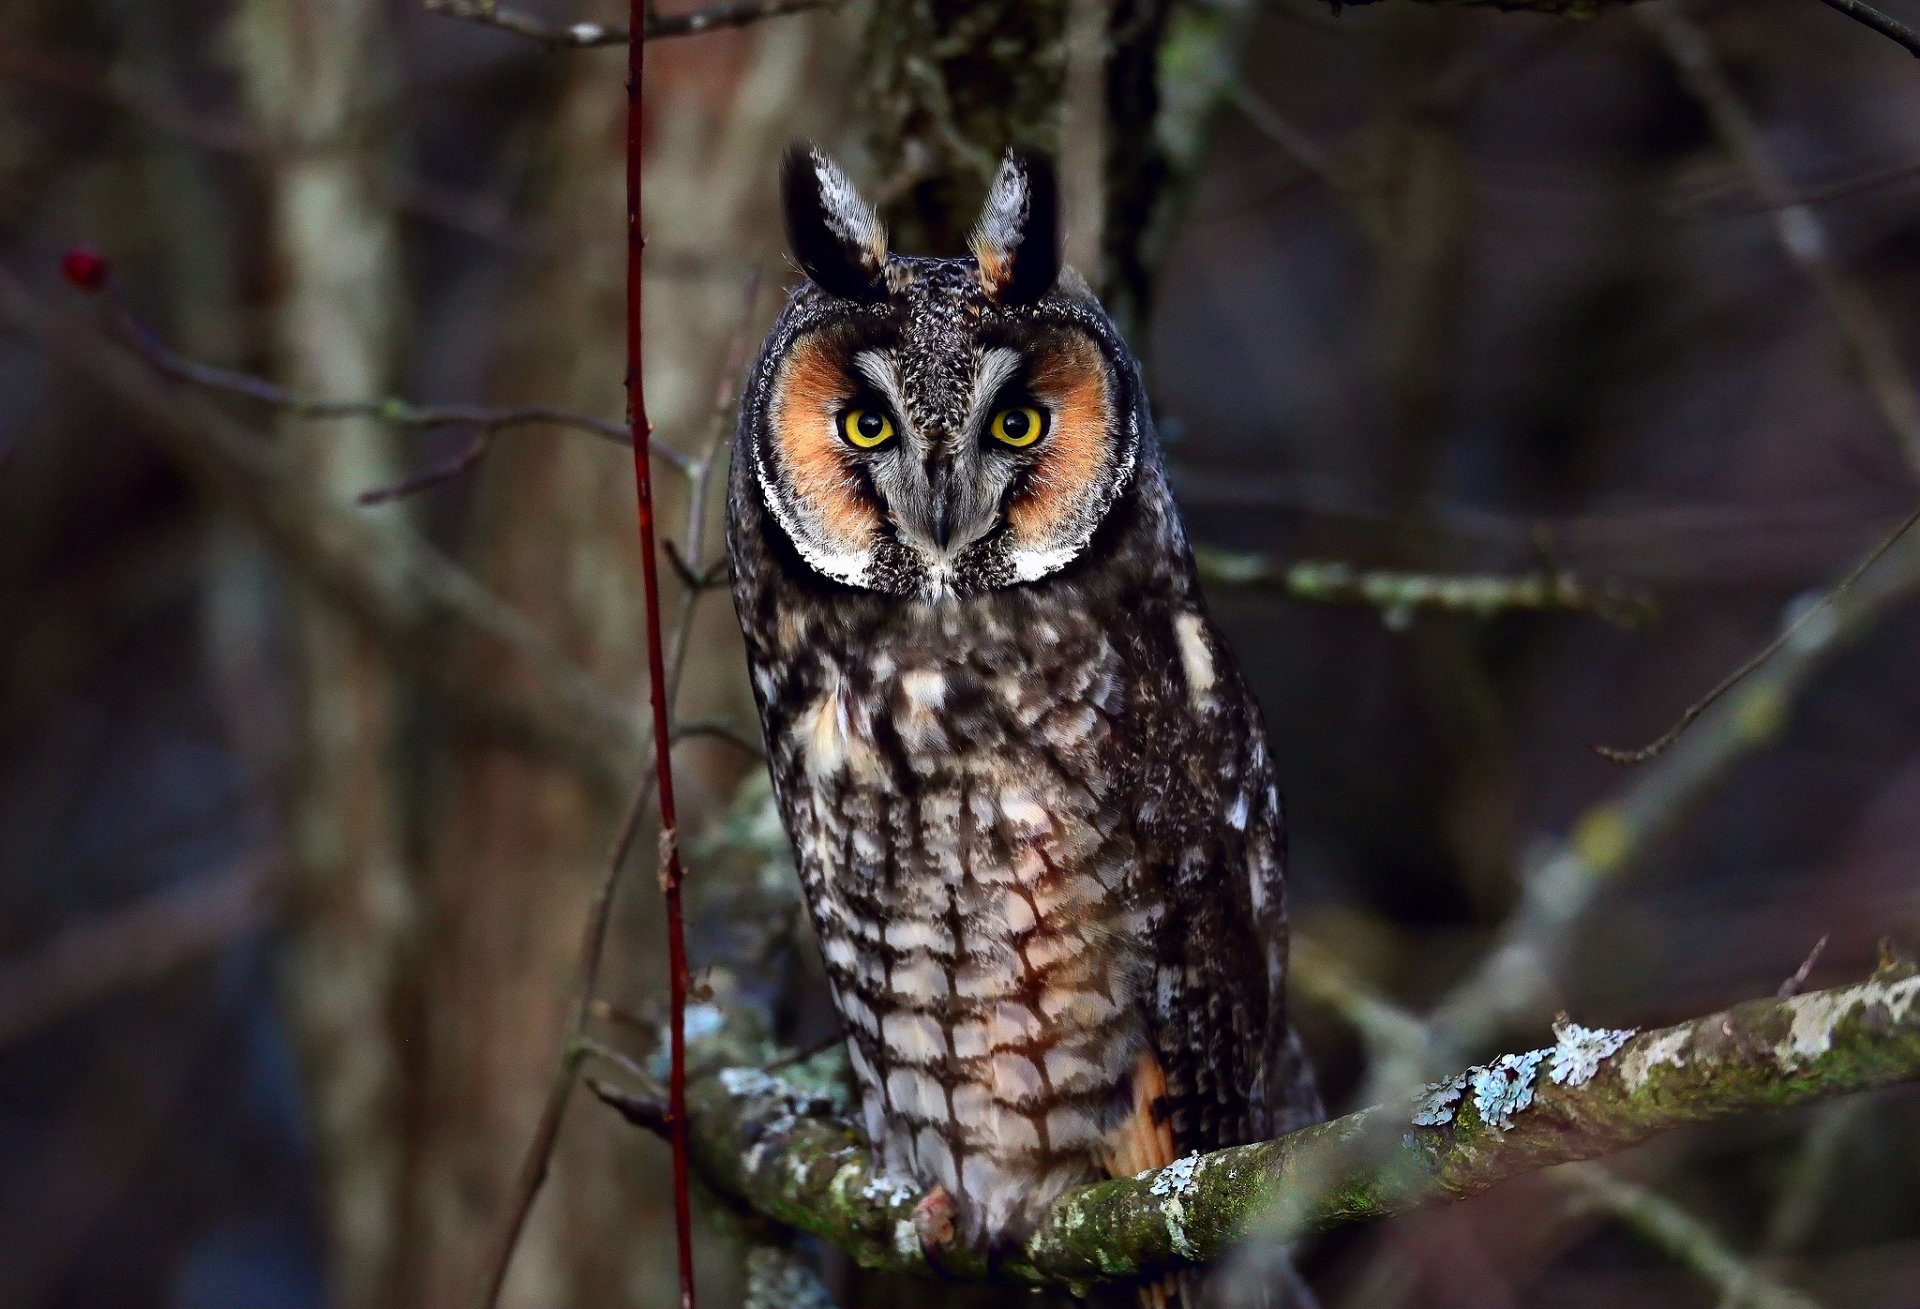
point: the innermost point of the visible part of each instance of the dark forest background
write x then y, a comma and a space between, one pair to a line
294, 849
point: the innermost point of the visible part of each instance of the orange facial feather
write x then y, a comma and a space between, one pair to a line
1071, 380
812, 386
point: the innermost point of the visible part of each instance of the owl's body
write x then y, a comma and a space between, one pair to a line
1029, 793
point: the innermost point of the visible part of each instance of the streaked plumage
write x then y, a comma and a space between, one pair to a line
1029, 792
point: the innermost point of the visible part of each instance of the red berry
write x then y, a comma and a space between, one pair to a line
84, 267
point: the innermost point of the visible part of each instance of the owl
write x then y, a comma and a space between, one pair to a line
1029, 794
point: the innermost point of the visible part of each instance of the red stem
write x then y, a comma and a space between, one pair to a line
657, 671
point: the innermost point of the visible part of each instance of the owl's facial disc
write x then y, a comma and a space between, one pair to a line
940, 426
884, 481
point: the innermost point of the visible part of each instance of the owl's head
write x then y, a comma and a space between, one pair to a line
933, 427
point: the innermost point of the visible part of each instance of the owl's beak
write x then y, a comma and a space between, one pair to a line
940, 498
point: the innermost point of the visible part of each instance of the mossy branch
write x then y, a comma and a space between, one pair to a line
783, 1145
1399, 594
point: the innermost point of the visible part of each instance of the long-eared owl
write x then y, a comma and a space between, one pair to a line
1028, 790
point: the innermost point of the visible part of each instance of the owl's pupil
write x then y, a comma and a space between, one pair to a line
1016, 424
871, 425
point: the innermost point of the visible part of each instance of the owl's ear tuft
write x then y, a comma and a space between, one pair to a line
1016, 243
834, 234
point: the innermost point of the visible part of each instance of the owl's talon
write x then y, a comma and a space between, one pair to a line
934, 1223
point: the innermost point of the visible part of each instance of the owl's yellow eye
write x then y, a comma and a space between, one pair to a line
1018, 426
866, 428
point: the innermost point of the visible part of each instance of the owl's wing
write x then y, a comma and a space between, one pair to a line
1210, 836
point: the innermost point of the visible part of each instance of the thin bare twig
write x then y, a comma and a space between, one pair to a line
1613, 836
391, 410
539, 1154
399, 586
1678, 1234
128, 947
447, 470
1802, 236
1885, 24
588, 1005
648, 1112
1805, 242
719, 729
1709, 207
652, 26
1759, 658
671, 872
1808, 1181
1796, 983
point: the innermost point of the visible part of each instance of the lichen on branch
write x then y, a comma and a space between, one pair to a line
782, 1144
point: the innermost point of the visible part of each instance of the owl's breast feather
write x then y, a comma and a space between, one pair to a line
969, 879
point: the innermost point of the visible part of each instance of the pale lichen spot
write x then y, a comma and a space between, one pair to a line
885, 1190
1578, 1055
703, 1021
1171, 1186
1504, 1087
1437, 1100
750, 1083
1668, 1050
1815, 1016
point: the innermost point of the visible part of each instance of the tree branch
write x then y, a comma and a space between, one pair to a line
1398, 594
1678, 1234
129, 946
397, 584
1613, 837
390, 410
1803, 237
1568, 8
1885, 24
784, 1146
588, 36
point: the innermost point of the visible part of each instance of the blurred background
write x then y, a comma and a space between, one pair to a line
304, 798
